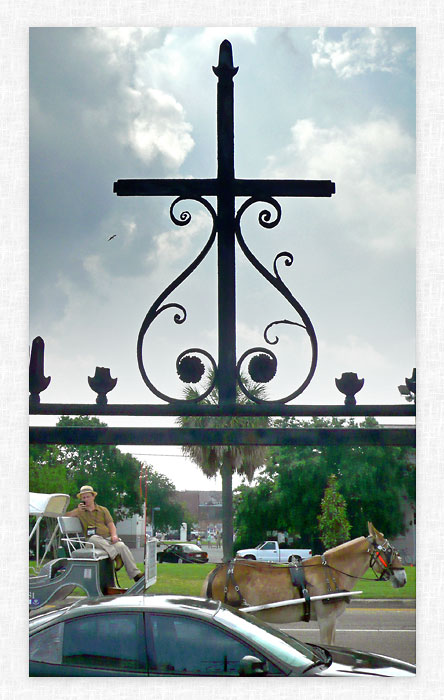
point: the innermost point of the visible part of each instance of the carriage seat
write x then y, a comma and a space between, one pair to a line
77, 545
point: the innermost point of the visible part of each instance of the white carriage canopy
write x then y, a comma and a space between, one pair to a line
46, 505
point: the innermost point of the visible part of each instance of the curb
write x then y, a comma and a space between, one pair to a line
383, 603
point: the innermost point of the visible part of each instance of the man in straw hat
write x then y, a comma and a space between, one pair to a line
99, 528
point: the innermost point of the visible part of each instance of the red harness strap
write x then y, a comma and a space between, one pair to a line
381, 559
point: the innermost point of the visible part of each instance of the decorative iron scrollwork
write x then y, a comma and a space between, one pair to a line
263, 365
188, 366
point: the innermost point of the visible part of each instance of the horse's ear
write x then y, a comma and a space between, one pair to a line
374, 532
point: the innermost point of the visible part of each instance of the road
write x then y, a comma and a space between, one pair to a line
388, 631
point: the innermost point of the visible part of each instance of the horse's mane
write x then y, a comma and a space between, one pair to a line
346, 545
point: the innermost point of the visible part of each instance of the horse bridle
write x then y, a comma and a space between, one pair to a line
383, 554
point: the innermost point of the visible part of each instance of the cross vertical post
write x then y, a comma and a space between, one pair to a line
226, 262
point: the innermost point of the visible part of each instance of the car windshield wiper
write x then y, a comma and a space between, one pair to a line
324, 658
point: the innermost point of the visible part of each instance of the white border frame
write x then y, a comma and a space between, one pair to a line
16, 18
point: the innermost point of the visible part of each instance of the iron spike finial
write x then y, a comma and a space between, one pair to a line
37, 380
225, 65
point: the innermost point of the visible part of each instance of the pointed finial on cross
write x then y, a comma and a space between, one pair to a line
225, 60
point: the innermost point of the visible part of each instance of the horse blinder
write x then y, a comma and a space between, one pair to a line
383, 554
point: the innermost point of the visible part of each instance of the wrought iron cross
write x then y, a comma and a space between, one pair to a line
227, 229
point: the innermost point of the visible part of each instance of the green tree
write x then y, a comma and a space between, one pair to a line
256, 511
160, 494
333, 524
47, 473
226, 459
372, 479
113, 474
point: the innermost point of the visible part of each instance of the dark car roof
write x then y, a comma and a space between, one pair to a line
181, 605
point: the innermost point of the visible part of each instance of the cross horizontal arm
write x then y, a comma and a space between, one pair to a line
185, 187
284, 188
242, 188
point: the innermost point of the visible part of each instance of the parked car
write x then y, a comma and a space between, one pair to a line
270, 551
171, 635
183, 553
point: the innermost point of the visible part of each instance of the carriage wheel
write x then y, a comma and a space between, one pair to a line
294, 559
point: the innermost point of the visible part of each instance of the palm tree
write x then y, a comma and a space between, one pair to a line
226, 459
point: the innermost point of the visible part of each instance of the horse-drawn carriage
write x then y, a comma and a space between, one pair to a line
80, 564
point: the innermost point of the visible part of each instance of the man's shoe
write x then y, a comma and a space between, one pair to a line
137, 577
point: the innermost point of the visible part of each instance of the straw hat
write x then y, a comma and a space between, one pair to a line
86, 489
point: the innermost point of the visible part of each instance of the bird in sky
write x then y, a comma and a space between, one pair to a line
111, 237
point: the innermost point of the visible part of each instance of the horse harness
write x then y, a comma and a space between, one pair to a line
331, 581
383, 554
297, 579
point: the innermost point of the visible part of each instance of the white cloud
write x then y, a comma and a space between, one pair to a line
152, 120
124, 39
158, 127
176, 244
359, 51
373, 166
353, 352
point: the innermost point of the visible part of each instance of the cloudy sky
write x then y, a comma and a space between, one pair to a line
108, 104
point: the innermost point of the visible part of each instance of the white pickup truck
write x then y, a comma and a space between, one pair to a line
270, 551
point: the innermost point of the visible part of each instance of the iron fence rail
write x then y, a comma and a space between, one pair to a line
401, 436
191, 409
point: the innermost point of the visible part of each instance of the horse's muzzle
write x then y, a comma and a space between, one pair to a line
399, 578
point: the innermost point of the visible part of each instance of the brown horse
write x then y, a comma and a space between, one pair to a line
244, 583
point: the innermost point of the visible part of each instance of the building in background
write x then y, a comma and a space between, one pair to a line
205, 508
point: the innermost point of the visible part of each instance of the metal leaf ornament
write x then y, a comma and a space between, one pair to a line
262, 368
190, 369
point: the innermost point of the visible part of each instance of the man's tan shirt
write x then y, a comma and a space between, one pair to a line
99, 518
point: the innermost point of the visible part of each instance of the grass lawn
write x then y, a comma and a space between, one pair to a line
187, 579
383, 589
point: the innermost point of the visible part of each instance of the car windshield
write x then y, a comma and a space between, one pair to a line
191, 548
280, 645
